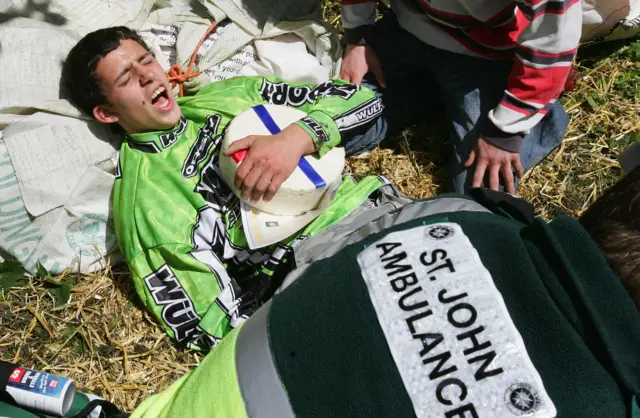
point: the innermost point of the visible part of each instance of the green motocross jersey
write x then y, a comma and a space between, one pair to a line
178, 224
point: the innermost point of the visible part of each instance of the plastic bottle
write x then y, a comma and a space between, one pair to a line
41, 391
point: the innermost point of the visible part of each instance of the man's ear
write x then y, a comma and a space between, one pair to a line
103, 114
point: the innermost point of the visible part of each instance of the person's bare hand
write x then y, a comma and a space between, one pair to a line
498, 162
270, 160
357, 61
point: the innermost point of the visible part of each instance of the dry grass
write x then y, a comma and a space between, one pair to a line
102, 338
110, 346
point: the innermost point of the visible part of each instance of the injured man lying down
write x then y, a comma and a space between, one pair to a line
192, 175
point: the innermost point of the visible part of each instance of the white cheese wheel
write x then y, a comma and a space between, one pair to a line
298, 193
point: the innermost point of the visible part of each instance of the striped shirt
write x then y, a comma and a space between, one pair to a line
541, 35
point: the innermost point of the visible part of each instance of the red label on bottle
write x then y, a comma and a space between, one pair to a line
17, 374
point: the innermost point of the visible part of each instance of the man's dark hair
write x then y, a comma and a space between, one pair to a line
614, 223
79, 76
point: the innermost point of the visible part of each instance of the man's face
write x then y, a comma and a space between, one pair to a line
137, 91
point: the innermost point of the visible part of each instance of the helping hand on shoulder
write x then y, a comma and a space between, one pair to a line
270, 160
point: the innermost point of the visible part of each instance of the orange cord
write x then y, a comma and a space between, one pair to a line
176, 76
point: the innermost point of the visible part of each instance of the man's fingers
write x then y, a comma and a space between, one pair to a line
354, 78
478, 175
243, 171
261, 187
351, 76
247, 169
518, 166
250, 181
345, 76
471, 159
273, 188
239, 145
494, 177
507, 175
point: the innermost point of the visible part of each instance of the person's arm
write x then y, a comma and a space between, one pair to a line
545, 52
336, 112
358, 17
189, 292
544, 55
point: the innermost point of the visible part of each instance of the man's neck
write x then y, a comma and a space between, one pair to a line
159, 140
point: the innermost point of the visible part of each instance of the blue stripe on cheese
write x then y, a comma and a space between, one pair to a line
304, 165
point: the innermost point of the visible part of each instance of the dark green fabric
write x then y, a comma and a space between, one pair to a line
7, 410
579, 325
329, 349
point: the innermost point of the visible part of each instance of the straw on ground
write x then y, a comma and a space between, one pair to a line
104, 340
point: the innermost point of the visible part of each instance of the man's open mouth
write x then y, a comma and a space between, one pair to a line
160, 98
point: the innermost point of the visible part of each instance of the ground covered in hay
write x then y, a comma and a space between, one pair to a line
110, 346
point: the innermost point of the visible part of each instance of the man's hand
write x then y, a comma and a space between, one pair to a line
270, 160
357, 61
497, 161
